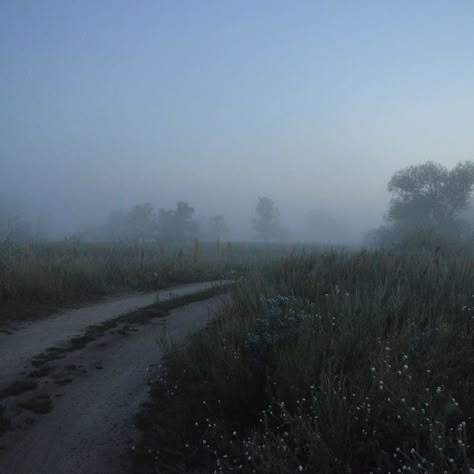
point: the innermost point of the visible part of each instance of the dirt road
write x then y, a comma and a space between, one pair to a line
78, 418
18, 348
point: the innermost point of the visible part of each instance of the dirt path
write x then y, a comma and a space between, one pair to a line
92, 396
18, 348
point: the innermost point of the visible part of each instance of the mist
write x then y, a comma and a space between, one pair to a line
106, 106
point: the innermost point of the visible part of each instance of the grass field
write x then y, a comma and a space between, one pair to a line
332, 363
36, 279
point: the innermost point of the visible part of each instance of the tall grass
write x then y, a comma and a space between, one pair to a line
326, 363
68, 272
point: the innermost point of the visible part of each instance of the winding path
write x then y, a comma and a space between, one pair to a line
90, 428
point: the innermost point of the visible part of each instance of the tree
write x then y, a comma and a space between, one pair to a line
430, 196
324, 227
177, 224
140, 221
267, 221
115, 225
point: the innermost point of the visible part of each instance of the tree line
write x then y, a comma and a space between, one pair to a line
428, 201
143, 223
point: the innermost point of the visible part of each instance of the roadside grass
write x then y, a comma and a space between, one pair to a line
337, 362
39, 278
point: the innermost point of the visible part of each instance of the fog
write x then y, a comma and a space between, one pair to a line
105, 105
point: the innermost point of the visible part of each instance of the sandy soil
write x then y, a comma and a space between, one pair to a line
93, 395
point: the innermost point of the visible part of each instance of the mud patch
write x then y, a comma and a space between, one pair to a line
42, 371
17, 387
5, 423
40, 404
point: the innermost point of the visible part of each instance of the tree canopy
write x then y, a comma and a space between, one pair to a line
267, 220
177, 224
430, 195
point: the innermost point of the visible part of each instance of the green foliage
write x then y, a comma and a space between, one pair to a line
327, 363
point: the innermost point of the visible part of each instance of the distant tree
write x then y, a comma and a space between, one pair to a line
177, 224
217, 227
139, 221
115, 226
430, 195
267, 221
324, 227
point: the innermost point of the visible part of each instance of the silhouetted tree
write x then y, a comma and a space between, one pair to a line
430, 195
324, 227
267, 221
140, 221
115, 226
177, 224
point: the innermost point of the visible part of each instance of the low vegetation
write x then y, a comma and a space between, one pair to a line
337, 362
39, 277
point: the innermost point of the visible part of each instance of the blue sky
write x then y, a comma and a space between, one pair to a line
316, 104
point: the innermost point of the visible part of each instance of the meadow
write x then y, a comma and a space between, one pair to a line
38, 278
335, 362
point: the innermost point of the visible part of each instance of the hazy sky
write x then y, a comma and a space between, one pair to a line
107, 103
